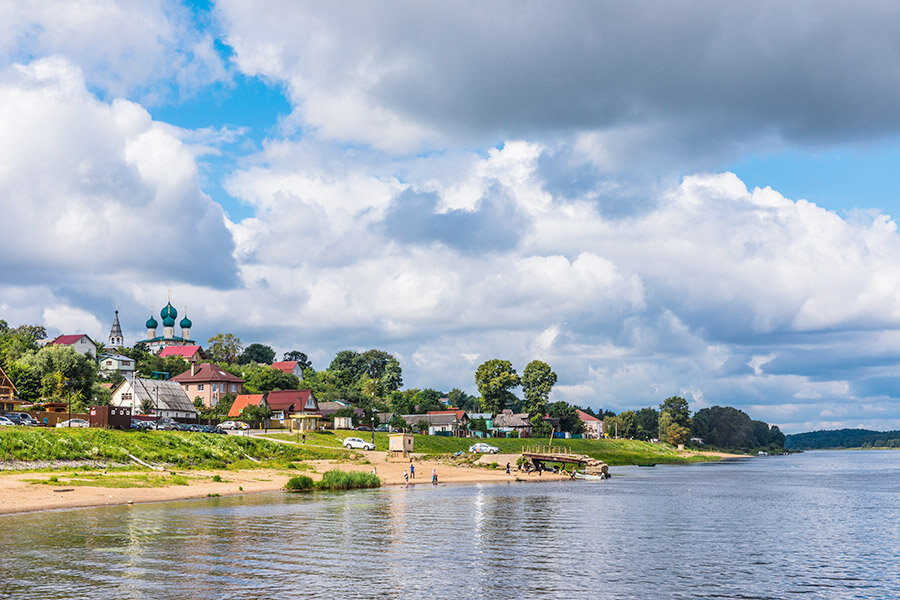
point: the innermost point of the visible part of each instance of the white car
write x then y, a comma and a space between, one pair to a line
73, 423
484, 448
358, 444
4, 422
233, 425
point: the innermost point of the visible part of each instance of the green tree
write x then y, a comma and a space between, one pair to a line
628, 424
256, 414
398, 422
258, 353
392, 377
64, 372
261, 378
538, 380
674, 410
300, 357
375, 362
460, 399
428, 399
16, 343
568, 418
647, 424
224, 347
494, 379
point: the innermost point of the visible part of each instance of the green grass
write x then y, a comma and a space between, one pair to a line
300, 483
137, 480
334, 480
613, 452
175, 448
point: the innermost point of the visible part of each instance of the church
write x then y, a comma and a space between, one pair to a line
155, 343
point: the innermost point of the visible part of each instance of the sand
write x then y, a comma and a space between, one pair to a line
18, 495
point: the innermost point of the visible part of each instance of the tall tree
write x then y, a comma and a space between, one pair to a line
375, 362
647, 423
674, 411
392, 378
568, 418
258, 353
538, 380
494, 379
300, 357
224, 347
63, 371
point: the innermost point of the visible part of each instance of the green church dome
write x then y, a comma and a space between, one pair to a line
169, 322
169, 312
186, 323
151, 323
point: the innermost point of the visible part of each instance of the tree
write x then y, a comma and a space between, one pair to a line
261, 378
300, 357
568, 418
392, 378
428, 399
494, 379
146, 406
537, 381
459, 399
674, 410
258, 353
224, 347
398, 422
64, 372
647, 424
627, 424
375, 362
256, 414
422, 426
16, 343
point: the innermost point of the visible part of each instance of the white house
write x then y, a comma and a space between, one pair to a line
164, 398
79, 341
116, 363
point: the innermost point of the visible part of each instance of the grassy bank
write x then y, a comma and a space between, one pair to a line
169, 448
613, 452
334, 480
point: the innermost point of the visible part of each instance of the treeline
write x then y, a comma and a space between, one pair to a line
843, 438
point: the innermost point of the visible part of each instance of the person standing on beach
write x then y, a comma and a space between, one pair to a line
412, 470
406, 478
507, 468
433, 477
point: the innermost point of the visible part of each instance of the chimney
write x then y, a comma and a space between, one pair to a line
193, 369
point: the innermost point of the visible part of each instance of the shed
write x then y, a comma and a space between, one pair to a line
401, 443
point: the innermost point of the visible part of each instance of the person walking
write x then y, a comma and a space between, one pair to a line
406, 478
433, 477
507, 468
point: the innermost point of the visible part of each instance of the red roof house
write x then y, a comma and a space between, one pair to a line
209, 382
188, 353
291, 367
593, 427
243, 401
79, 341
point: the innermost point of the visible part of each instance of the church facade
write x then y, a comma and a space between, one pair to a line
155, 342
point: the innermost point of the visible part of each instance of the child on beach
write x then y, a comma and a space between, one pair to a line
433, 477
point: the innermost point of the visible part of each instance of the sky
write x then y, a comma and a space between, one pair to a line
657, 199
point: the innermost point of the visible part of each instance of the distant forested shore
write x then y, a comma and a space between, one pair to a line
842, 438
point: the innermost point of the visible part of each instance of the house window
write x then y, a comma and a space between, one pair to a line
215, 387
199, 387
109, 363
233, 387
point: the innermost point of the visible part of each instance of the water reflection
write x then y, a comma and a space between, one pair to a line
819, 524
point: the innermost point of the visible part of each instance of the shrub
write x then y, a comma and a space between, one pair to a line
299, 483
342, 480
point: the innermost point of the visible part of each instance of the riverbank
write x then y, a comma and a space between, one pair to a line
33, 491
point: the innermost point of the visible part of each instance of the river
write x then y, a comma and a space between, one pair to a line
813, 525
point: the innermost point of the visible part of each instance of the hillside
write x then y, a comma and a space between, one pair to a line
842, 438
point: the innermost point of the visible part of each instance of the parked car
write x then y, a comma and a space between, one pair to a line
483, 448
234, 425
20, 418
73, 423
358, 444
4, 422
364, 428
383, 428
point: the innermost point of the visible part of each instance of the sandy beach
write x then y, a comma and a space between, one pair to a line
19, 494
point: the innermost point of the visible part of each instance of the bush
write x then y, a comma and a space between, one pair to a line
299, 483
342, 480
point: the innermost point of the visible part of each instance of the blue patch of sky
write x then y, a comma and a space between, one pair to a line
838, 180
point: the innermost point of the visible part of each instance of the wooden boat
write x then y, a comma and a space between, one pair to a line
647, 465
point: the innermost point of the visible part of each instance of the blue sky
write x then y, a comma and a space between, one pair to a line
697, 199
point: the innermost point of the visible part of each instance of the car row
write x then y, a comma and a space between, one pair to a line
21, 418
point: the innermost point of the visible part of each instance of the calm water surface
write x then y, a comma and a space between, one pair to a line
816, 525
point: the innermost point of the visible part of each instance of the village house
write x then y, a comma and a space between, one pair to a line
594, 428
327, 409
208, 382
296, 410
191, 354
243, 401
8, 400
507, 422
442, 422
79, 341
165, 399
291, 367
116, 363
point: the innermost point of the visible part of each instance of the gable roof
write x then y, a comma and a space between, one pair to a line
179, 351
285, 366
68, 340
585, 417
458, 412
505, 419
206, 372
7, 387
288, 400
242, 402
171, 396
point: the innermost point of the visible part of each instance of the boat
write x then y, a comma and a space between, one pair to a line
647, 465
589, 476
